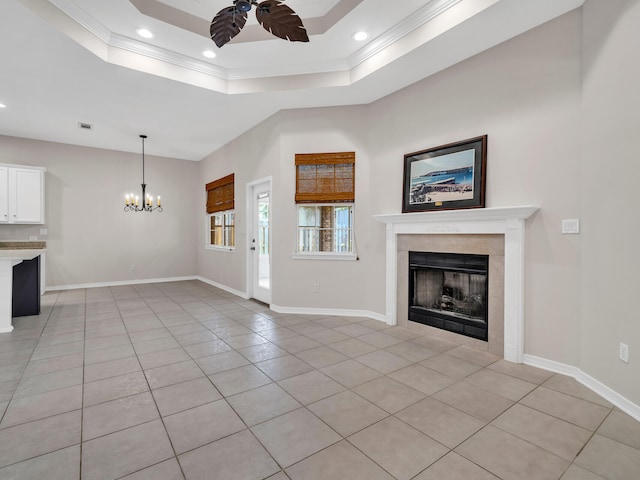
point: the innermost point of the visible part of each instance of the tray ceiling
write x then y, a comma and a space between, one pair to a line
70, 61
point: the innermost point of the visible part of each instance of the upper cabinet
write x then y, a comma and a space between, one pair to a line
4, 194
21, 194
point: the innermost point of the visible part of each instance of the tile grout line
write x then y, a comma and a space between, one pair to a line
82, 391
175, 455
2, 417
239, 319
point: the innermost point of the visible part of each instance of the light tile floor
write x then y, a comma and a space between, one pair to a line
182, 380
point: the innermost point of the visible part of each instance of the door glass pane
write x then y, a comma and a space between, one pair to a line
264, 270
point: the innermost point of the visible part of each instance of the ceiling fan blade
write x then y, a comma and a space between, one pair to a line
278, 19
227, 24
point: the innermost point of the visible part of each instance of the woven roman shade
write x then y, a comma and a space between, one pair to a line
220, 194
325, 177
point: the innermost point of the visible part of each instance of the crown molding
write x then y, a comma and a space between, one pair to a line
168, 56
423, 16
110, 39
251, 33
81, 17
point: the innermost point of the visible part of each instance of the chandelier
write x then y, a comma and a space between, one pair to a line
132, 203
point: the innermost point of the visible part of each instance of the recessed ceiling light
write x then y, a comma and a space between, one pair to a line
144, 33
2, 105
209, 54
360, 36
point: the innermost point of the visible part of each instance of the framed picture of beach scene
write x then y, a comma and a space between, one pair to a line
447, 177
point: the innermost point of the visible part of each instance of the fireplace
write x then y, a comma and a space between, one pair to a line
450, 291
440, 231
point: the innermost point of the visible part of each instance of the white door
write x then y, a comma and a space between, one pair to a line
260, 245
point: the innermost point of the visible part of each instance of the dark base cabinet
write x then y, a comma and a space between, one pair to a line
26, 288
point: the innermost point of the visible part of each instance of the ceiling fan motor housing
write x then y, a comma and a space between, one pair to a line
243, 5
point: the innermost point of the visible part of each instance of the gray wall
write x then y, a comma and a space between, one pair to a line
90, 239
610, 172
525, 94
550, 143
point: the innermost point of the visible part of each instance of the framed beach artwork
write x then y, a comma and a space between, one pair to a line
446, 177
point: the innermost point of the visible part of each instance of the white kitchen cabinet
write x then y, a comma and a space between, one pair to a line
4, 194
21, 194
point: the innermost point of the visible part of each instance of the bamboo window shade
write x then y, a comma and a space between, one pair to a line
325, 177
220, 194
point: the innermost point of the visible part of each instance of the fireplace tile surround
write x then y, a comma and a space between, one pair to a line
454, 229
491, 245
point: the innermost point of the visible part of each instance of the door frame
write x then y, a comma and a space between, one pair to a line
249, 202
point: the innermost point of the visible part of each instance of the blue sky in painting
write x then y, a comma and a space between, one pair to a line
464, 158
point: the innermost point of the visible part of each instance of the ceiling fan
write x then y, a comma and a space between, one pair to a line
275, 17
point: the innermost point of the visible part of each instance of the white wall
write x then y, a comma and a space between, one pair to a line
610, 172
249, 157
525, 94
90, 238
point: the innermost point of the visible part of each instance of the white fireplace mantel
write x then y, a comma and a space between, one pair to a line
508, 221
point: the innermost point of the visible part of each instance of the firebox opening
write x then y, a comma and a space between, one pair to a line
449, 291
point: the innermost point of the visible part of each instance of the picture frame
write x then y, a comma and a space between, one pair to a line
447, 177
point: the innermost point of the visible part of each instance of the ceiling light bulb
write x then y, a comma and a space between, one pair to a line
144, 33
209, 54
360, 36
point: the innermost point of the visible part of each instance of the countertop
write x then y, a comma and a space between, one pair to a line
22, 245
17, 251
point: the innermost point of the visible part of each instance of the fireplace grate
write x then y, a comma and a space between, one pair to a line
450, 291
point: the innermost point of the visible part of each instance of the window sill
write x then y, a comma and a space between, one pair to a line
324, 256
220, 248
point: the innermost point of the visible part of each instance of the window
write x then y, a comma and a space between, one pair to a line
325, 196
220, 210
325, 228
222, 229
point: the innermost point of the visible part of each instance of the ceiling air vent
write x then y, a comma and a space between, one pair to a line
85, 126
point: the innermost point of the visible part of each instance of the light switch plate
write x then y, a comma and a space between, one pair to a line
571, 226
624, 352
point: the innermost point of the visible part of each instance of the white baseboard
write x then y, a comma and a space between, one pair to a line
223, 287
550, 365
238, 293
55, 288
329, 311
624, 404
